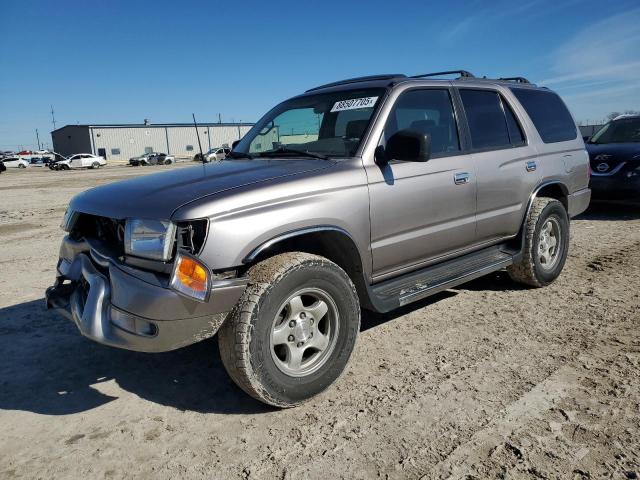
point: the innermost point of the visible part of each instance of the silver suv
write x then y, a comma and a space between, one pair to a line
367, 193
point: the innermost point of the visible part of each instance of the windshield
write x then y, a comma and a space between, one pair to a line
327, 124
619, 131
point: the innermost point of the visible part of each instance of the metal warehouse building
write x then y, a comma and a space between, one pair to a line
121, 142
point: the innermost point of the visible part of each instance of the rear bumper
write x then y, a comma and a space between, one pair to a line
578, 201
123, 307
618, 187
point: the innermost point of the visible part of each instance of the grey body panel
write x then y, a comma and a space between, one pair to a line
158, 196
243, 219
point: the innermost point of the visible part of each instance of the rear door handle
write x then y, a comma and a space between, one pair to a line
461, 178
531, 166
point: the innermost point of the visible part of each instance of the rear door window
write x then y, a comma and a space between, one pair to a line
515, 130
486, 119
548, 113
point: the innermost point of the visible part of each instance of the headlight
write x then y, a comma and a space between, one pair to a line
190, 277
68, 220
149, 238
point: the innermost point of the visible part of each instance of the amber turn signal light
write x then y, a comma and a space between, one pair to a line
190, 277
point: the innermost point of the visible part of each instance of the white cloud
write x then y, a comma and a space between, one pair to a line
603, 62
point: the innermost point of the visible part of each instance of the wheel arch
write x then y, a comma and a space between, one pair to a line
331, 242
552, 189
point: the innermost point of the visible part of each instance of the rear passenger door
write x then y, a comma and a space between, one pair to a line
504, 161
422, 211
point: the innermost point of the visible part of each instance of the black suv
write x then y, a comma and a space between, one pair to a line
614, 152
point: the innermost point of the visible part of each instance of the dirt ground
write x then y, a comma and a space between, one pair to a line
489, 380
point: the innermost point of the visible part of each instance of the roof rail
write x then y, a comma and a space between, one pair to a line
514, 79
462, 73
359, 79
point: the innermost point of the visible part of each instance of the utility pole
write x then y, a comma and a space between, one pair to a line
53, 118
38, 137
219, 118
239, 137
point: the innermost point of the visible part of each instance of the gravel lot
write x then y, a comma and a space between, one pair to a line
489, 380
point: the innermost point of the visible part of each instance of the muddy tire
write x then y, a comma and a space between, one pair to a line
546, 243
292, 333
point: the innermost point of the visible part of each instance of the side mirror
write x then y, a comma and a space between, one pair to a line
586, 138
406, 145
233, 145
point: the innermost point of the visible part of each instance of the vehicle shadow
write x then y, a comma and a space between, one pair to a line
610, 211
49, 368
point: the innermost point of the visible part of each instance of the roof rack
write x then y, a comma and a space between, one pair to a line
359, 79
514, 79
462, 73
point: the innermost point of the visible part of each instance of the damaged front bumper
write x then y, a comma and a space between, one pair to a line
117, 305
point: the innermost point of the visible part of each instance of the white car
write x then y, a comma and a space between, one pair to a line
80, 160
16, 162
214, 155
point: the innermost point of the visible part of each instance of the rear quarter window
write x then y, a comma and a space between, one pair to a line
548, 113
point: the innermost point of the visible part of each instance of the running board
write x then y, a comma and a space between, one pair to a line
413, 286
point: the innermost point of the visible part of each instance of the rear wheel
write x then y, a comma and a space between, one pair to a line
293, 331
168, 161
546, 244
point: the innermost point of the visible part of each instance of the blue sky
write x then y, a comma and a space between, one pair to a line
122, 61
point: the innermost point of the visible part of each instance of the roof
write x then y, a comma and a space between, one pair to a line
387, 80
153, 125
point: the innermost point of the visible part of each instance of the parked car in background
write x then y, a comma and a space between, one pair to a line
39, 161
614, 152
15, 162
404, 187
161, 159
79, 160
142, 159
153, 159
213, 155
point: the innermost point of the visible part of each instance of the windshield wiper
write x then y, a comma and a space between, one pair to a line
233, 154
304, 153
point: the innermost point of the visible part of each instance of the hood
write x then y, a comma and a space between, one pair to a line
616, 152
158, 195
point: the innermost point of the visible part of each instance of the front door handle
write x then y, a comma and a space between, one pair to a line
461, 178
531, 166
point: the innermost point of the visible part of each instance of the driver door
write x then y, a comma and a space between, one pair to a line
422, 211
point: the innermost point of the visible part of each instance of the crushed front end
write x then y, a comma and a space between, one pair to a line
153, 301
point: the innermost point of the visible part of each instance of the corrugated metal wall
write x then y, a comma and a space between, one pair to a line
122, 143
130, 142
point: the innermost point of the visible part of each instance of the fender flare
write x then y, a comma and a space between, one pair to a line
291, 234
532, 197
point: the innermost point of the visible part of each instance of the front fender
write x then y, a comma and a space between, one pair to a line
246, 218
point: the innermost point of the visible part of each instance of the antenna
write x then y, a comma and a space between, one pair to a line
198, 135
53, 118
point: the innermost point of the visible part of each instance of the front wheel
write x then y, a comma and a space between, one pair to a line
21, 165
95, 165
293, 331
546, 243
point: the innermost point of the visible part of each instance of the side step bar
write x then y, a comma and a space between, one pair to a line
413, 286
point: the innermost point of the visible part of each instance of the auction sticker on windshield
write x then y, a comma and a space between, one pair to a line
354, 103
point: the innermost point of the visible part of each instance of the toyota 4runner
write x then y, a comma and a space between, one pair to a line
371, 193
